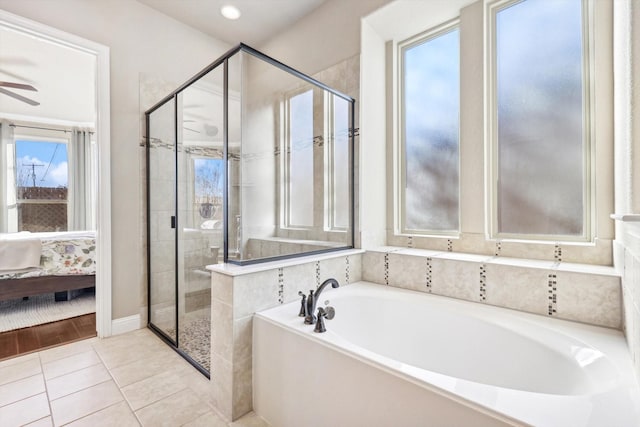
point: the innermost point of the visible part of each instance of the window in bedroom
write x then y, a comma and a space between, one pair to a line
429, 107
42, 185
539, 125
48, 179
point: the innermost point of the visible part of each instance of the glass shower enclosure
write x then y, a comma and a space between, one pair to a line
248, 161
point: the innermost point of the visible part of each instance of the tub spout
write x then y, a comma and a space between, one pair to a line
313, 297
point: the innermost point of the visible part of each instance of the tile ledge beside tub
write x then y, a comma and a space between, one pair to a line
584, 293
601, 270
238, 270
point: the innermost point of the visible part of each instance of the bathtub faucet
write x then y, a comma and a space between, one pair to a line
313, 297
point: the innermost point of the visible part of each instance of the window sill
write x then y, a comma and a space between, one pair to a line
625, 217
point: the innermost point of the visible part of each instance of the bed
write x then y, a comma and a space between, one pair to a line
37, 263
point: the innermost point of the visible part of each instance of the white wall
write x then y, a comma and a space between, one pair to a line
323, 38
141, 40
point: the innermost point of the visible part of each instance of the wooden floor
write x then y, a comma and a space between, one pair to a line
35, 338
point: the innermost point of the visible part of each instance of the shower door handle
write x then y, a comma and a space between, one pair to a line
173, 221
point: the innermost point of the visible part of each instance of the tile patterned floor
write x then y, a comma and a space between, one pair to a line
132, 379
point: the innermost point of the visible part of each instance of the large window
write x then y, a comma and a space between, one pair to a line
429, 132
539, 127
299, 161
337, 160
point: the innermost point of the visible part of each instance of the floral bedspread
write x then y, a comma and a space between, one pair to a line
62, 257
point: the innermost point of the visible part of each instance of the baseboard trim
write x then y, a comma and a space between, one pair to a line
125, 324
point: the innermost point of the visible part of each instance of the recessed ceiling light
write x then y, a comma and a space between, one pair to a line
230, 12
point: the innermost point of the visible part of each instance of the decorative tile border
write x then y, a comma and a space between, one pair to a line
281, 285
429, 273
557, 253
483, 282
317, 273
346, 270
386, 268
553, 297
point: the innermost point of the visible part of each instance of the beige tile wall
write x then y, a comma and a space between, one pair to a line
237, 295
579, 292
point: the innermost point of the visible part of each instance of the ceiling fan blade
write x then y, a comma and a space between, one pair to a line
6, 73
18, 86
19, 97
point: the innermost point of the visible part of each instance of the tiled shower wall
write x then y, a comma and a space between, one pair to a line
237, 293
579, 292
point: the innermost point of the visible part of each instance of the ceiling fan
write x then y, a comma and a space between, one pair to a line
18, 96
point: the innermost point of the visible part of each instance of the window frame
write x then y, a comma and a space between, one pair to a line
285, 217
491, 9
399, 174
330, 202
43, 136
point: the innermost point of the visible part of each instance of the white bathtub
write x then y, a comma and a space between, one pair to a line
392, 357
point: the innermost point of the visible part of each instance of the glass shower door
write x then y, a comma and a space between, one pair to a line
161, 176
200, 213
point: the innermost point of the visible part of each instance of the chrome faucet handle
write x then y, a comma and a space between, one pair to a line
303, 305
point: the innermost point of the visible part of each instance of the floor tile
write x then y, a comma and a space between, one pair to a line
17, 371
199, 384
250, 420
42, 422
117, 355
152, 389
70, 364
208, 419
21, 389
60, 352
77, 380
145, 368
85, 402
18, 359
174, 410
25, 411
119, 415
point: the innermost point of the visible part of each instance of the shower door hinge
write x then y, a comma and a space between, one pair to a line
173, 221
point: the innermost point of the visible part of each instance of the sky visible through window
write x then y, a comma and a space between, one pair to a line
301, 159
539, 67
208, 177
431, 120
47, 160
